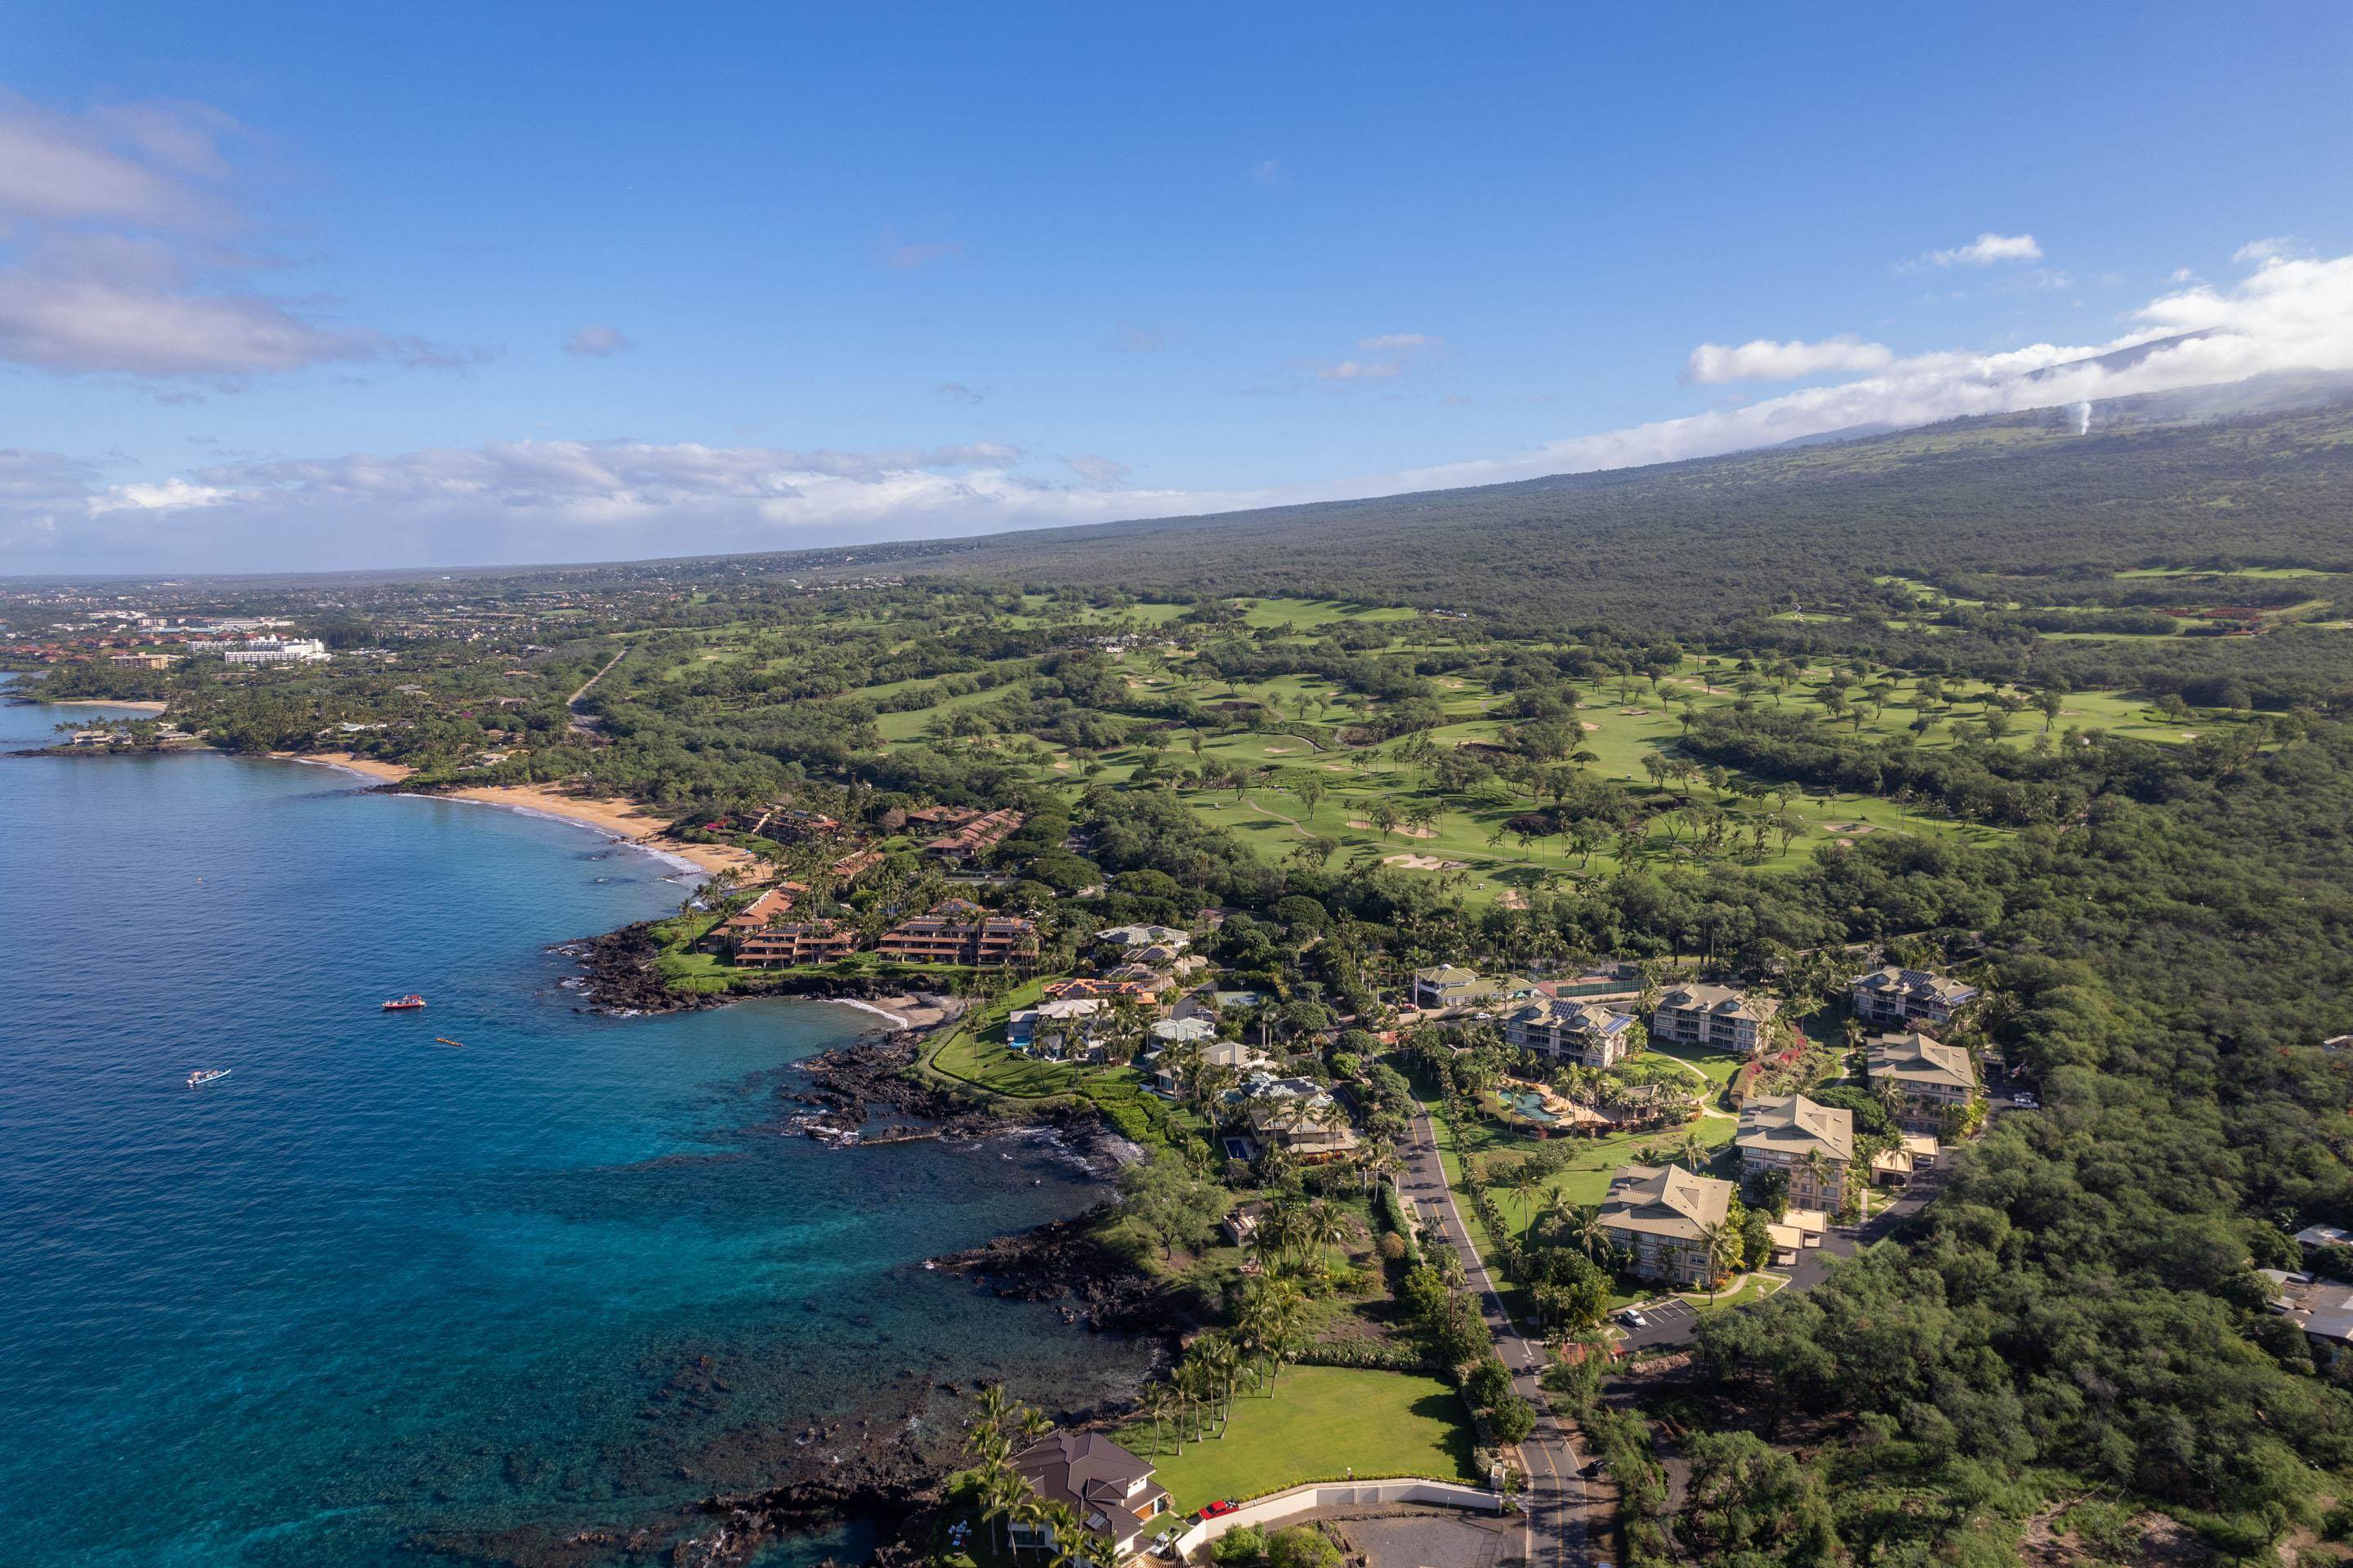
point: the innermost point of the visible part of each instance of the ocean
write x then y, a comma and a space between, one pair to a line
369, 1292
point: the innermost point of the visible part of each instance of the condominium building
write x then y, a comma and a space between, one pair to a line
953, 939
1910, 998
795, 942
1582, 1033
1659, 1216
1783, 1132
1936, 1079
1719, 1017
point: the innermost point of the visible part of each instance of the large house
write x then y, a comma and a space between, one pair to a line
1295, 1115
1060, 1028
952, 936
1659, 1217
1780, 1132
1577, 1032
1936, 1079
1111, 1489
1910, 998
1243, 1059
1719, 1017
1135, 939
1450, 985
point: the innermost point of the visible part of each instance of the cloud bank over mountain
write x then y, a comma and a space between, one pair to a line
554, 499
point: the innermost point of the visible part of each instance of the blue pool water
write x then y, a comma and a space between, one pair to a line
368, 1288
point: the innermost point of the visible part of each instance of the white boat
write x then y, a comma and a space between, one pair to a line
203, 1075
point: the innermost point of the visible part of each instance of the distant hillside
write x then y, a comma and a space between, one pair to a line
2261, 470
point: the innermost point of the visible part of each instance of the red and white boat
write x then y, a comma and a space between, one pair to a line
404, 1003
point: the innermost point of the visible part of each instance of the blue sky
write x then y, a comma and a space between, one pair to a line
290, 286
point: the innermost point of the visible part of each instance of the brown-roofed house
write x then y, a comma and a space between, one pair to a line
1936, 1079
1109, 1488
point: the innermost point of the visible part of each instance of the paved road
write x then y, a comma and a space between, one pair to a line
587, 724
1554, 1505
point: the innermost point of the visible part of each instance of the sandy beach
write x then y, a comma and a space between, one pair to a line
106, 703
619, 819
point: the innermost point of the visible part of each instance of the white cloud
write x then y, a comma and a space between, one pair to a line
1098, 470
597, 341
2276, 248
556, 499
1360, 370
1987, 250
120, 263
1763, 359
173, 493
1267, 171
1399, 342
957, 392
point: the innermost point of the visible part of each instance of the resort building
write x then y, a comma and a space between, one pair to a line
971, 839
773, 904
956, 938
1785, 1132
279, 650
1135, 938
855, 865
1660, 1217
795, 942
1936, 1079
1295, 1115
1108, 990
1583, 1032
1910, 998
1111, 1491
1718, 1017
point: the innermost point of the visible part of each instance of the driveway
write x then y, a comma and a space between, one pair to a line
1554, 1504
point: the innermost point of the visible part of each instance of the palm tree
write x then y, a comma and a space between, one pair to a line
1584, 1228
1155, 1399
1816, 1166
1723, 1245
1074, 1545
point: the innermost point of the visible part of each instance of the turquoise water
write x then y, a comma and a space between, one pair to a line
368, 1288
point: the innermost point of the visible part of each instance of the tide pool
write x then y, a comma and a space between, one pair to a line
369, 1287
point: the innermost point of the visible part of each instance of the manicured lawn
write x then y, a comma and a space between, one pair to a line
1319, 1423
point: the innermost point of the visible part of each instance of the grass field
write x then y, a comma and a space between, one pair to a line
1318, 1424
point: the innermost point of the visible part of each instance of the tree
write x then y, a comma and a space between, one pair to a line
1512, 1419
1169, 1206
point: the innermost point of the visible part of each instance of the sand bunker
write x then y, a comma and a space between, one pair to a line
1587, 726
1424, 863
1401, 832
1281, 750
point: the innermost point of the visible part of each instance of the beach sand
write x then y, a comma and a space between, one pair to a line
621, 819
105, 702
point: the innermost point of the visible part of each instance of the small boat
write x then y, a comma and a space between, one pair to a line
445, 1040
404, 1003
203, 1075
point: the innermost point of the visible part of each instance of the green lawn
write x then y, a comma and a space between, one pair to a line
1317, 1425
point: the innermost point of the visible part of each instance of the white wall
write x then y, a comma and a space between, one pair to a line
1317, 1497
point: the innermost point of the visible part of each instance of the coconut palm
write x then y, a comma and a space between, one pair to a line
1723, 1244
1817, 1167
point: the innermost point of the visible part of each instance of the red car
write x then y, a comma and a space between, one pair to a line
1223, 1504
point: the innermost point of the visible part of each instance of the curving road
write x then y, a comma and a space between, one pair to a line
1554, 1505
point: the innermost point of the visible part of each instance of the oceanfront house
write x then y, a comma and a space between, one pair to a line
795, 942
976, 836
1659, 1218
1059, 1030
2323, 1308
1936, 1080
1450, 986
1243, 1059
1579, 1032
1715, 1017
1134, 939
1787, 1133
956, 938
1147, 980
1145, 992
1112, 1491
1909, 999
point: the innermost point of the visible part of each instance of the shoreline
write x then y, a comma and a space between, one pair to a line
623, 821
132, 704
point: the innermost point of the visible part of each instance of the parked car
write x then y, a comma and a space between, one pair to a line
1633, 1319
1223, 1504
2025, 1100
1592, 1469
